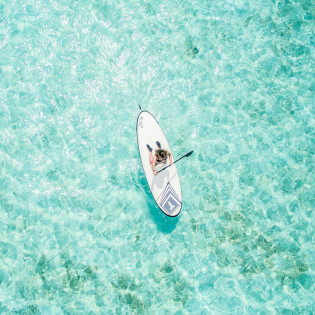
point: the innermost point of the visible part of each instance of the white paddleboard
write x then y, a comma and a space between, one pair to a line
165, 186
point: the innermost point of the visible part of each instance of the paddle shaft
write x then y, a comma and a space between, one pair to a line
186, 155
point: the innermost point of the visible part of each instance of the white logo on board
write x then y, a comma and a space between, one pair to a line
140, 122
171, 206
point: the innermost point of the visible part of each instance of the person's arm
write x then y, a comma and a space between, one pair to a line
153, 165
171, 159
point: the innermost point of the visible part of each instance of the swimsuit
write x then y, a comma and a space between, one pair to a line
161, 160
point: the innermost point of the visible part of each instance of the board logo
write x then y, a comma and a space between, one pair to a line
170, 201
140, 122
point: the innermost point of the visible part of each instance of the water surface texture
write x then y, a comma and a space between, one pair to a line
231, 80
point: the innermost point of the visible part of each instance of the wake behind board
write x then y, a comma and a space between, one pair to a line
165, 186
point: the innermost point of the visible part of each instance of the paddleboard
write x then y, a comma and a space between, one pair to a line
165, 186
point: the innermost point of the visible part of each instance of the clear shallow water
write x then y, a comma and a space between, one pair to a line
80, 232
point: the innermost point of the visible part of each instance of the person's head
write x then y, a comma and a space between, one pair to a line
162, 153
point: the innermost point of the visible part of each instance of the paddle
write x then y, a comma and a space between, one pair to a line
186, 155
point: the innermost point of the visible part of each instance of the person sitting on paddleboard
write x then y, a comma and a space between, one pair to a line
160, 156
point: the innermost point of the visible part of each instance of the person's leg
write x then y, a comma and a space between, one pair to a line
150, 153
151, 157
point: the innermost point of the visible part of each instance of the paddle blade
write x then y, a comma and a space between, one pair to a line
189, 153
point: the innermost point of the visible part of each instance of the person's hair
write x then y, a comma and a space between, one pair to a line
162, 153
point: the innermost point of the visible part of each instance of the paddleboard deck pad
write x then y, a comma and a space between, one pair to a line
165, 186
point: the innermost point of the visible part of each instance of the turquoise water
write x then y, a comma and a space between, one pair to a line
231, 80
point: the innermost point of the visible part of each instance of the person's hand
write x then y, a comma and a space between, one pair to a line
171, 163
155, 173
